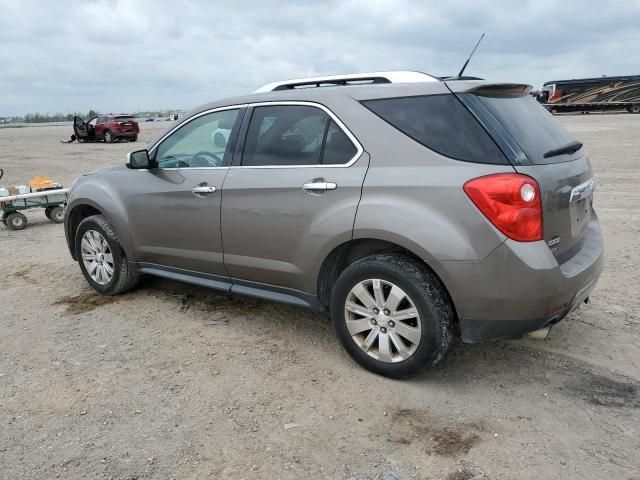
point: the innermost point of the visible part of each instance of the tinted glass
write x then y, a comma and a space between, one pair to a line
531, 126
203, 142
125, 118
285, 135
441, 123
338, 149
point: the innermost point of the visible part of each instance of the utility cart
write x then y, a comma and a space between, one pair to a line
48, 195
51, 200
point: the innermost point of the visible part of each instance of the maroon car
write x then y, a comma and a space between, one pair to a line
109, 128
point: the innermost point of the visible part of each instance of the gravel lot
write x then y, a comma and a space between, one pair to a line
142, 386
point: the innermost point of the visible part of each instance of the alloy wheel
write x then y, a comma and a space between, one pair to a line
97, 257
383, 320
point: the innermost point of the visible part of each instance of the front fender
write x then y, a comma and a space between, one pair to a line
96, 192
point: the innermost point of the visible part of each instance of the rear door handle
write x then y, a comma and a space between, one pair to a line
201, 190
319, 186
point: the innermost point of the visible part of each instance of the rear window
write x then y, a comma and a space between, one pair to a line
441, 123
127, 118
532, 127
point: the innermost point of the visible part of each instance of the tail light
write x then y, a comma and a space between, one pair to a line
511, 202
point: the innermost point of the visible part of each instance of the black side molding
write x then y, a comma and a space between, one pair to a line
230, 285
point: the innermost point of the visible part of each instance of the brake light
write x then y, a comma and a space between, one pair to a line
511, 202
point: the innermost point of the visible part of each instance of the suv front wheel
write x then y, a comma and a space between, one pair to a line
392, 315
102, 259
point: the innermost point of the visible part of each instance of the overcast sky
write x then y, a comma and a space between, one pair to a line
122, 56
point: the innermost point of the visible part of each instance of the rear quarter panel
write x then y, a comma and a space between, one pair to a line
414, 197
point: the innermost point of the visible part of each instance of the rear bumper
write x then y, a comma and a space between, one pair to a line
520, 287
124, 134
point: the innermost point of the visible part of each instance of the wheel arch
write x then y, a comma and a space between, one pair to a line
84, 208
348, 252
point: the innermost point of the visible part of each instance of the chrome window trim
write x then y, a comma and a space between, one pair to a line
334, 117
169, 169
342, 126
189, 120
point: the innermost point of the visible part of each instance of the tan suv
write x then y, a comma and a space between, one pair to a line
407, 206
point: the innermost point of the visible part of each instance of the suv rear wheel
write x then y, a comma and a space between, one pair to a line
102, 259
392, 315
108, 136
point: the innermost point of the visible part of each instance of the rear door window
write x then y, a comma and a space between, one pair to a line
295, 135
441, 123
338, 149
533, 128
284, 135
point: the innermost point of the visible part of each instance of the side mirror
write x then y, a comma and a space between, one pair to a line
138, 159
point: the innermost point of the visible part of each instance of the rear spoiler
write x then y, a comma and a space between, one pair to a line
488, 88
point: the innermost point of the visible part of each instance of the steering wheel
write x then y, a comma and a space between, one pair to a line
200, 160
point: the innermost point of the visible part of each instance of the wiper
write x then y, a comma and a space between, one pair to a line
568, 148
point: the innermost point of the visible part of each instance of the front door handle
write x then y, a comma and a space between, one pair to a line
320, 185
202, 190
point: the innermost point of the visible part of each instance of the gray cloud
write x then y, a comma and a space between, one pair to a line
114, 55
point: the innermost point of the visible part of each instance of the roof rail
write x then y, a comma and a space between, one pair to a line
400, 76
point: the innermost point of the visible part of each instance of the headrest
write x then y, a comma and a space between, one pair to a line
226, 123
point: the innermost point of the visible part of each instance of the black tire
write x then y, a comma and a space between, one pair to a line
108, 136
426, 292
134, 138
47, 212
56, 214
125, 275
635, 108
16, 221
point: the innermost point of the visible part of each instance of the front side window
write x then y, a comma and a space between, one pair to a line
203, 142
288, 135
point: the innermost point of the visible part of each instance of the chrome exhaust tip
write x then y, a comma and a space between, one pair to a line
541, 334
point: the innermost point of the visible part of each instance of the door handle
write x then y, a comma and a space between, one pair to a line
319, 186
200, 190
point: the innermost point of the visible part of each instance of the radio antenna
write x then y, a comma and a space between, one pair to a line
467, 62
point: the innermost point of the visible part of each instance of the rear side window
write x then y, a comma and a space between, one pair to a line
441, 123
124, 118
288, 135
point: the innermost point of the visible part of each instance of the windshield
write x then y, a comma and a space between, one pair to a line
531, 126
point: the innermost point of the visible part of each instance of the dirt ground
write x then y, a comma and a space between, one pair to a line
144, 386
